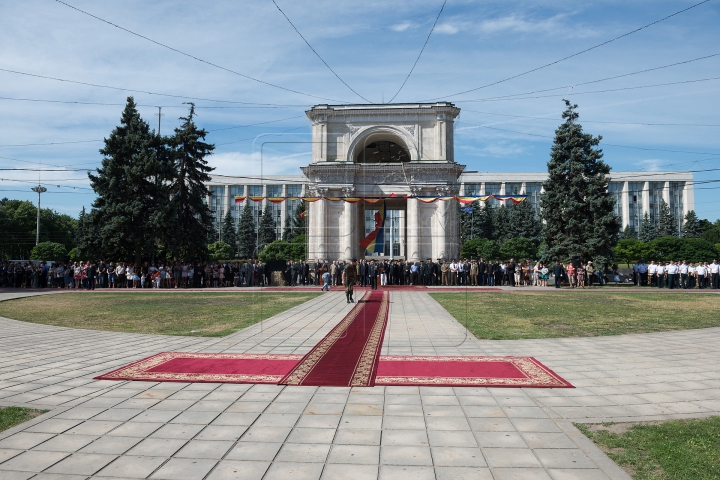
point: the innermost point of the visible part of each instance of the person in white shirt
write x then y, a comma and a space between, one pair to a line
715, 274
672, 275
454, 267
691, 276
700, 273
683, 268
651, 272
660, 274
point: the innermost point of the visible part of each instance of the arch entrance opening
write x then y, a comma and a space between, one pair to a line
383, 151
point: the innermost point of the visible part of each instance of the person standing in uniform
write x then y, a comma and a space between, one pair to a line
349, 276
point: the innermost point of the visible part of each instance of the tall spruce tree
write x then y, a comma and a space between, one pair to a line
628, 233
691, 227
192, 217
576, 206
131, 188
647, 229
666, 226
296, 224
501, 224
484, 221
266, 229
247, 238
228, 233
523, 223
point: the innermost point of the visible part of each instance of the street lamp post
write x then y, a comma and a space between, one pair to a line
39, 189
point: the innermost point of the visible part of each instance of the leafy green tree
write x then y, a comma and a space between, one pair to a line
131, 188
228, 234
220, 251
576, 206
666, 226
691, 226
247, 238
297, 224
631, 250
18, 223
647, 229
710, 231
48, 251
519, 249
667, 248
190, 173
266, 229
628, 233
698, 250
523, 223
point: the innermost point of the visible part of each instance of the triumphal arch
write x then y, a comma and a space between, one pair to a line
396, 156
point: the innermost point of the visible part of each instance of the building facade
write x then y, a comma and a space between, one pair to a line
403, 155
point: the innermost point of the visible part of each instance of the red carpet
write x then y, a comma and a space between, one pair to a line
207, 367
394, 370
348, 355
467, 372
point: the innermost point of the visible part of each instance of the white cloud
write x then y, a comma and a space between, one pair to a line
401, 27
241, 163
447, 29
652, 164
518, 24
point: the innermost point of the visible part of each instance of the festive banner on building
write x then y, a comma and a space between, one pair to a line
465, 200
375, 242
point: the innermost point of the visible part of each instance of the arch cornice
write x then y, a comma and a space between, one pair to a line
366, 133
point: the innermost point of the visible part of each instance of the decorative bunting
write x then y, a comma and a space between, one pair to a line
239, 199
256, 199
275, 199
465, 200
310, 199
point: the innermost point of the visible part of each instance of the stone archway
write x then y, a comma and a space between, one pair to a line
382, 144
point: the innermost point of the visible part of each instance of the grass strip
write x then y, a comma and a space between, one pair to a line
204, 314
522, 315
11, 416
675, 449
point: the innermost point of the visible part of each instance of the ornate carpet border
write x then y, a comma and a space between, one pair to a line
536, 374
367, 363
138, 371
300, 372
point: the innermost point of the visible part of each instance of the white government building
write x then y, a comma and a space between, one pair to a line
404, 154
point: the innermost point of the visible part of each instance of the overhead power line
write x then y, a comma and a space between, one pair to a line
575, 54
50, 143
421, 52
497, 99
607, 78
317, 54
194, 57
604, 144
598, 121
139, 104
131, 90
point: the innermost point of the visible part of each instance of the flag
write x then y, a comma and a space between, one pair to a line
467, 209
302, 215
375, 242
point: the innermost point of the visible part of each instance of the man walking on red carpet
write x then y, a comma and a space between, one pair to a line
349, 276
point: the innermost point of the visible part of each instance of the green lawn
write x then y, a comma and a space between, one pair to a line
196, 314
514, 315
672, 450
11, 416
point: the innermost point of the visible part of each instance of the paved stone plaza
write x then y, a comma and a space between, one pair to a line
105, 429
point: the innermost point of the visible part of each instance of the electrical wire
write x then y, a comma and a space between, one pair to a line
604, 144
256, 124
574, 54
139, 104
194, 57
497, 99
610, 78
598, 121
419, 54
50, 143
317, 54
184, 97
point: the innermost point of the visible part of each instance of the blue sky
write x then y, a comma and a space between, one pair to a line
372, 46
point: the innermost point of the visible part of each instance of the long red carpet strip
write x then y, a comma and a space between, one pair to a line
348, 355
392, 370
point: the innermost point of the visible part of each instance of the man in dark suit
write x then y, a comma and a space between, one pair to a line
372, 273
510, 272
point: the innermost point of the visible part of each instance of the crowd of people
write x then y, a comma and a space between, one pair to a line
372, 273
92, 275
674, 274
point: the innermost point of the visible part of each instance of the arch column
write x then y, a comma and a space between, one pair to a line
413, 227
347, 240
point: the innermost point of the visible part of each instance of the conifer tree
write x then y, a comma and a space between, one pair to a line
297, 224
192, 217
228, 234
131, 188
247, 237
484, 221
691, 227
523, 223
266, 229
628, 233
501, 224
647, 229
666, 226
576, 206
